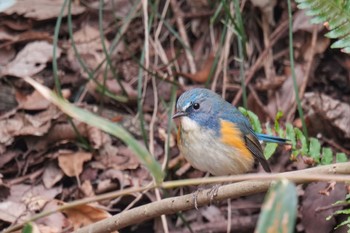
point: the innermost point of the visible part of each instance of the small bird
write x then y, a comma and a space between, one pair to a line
215, 137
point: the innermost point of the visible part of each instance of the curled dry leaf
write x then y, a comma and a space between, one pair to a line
31, 59
25, 124
42, 9
72, 163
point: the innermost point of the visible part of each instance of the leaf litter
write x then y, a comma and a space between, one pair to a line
46, 162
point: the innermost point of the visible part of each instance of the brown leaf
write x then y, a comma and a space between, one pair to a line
84, 215
25, 200
202, 75
72, 163
88, 43
285, 96
31, 59
34, 101
327, 116
42, 9
52, 174
312, 204
55, 222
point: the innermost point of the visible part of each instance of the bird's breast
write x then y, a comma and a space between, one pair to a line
206, 151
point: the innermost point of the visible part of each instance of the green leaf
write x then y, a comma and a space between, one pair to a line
327, 156
29, 228
278, 129
341, 158
279, 210
269, 149
346, 222
346, 211
290, 134
315, 149
302, 138
105, 125
253, 118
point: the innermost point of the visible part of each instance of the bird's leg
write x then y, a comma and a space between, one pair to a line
213, 192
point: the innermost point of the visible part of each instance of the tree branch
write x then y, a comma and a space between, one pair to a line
185, 202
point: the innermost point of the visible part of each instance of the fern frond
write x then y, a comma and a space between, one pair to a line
336, 13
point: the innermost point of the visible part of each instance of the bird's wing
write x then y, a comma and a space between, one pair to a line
255, 148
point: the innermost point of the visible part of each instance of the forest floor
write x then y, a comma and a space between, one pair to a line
128, 61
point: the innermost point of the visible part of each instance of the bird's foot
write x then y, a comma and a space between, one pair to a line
213, 192
195, 196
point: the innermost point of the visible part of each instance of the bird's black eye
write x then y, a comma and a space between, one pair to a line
196, 106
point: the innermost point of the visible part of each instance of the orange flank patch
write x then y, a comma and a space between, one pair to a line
231, 135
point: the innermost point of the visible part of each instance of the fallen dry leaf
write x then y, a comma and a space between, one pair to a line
88, 44
311, 207
84, 215
327, 116
72, 162
42, 9
202, 75
52, 174
285, 96
55, 222
31, 59
87, 189
24, 200
34, 101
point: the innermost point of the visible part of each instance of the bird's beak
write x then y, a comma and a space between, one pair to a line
179, 114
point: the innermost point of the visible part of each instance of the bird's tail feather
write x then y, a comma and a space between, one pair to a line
270, 138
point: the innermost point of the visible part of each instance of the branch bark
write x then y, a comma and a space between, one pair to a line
185, 202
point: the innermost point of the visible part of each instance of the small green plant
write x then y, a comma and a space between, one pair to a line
345, 211
311, 148
336, 14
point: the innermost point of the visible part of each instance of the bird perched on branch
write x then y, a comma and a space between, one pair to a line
217, 138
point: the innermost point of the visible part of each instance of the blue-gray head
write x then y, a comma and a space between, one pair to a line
202, 106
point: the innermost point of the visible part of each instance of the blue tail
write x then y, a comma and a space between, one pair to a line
270, 138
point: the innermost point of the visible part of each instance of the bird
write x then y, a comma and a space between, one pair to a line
215, 137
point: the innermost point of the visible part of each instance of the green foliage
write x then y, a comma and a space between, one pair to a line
346, 222
336, 13
28, 228
327, 155
341, 158
298, 141
279, 209
254, 120
315, 149
269, 149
